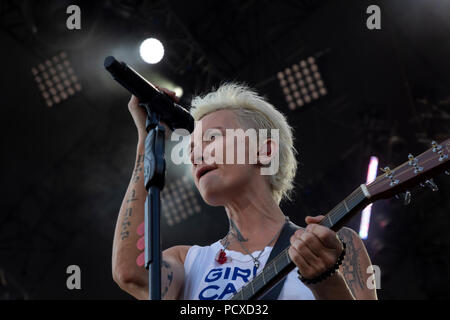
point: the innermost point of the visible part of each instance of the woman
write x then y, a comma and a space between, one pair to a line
251, 201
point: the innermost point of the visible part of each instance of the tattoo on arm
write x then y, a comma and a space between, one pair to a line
238, 234
139, 168
351, 268
166, 265
126, 223
133, 196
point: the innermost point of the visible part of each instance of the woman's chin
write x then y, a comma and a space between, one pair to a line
212, 193
211, 197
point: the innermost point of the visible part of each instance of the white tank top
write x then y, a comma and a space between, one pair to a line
206, 279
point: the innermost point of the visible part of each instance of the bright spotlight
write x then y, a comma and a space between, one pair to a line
178, 91
151, 50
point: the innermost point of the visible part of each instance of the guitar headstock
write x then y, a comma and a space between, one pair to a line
416, 170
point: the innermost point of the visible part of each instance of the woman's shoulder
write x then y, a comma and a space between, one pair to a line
178, 252
181, 251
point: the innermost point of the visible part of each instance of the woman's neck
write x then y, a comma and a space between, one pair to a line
255, 218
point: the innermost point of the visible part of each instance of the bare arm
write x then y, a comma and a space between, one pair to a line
350, 281
131, 277
355, 264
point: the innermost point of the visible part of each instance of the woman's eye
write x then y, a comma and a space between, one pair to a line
213, 136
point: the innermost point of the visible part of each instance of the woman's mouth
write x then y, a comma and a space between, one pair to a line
204, 170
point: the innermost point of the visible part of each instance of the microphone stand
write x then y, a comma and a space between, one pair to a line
154, 173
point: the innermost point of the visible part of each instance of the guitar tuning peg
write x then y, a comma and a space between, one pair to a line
430, 183
390, 175
415, 163
439, 150
406, 197
385, 170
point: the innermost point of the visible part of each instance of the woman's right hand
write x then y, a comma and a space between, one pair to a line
139, 113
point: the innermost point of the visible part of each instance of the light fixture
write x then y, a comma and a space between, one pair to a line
178, 91
56, 79
151, 50
178, 201
303, 81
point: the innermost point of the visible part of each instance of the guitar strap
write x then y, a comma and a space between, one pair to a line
282, 242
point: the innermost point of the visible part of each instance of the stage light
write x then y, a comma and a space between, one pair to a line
365, 217
151, 50
315, 95
56, 79
178, 91
178, 201
323, 91
302, 81
307, 99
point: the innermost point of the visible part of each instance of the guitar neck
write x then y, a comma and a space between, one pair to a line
410, 173
281, 265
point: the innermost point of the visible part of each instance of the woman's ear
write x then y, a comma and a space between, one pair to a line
267, 149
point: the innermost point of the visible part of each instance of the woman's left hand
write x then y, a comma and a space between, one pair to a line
315, 249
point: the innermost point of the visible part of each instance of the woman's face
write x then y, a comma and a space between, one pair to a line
218, 180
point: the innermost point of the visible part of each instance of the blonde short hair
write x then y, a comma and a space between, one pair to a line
254, 111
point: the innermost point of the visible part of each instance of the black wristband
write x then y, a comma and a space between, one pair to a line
327, 273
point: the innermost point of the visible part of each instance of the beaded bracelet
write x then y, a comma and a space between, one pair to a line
327, 273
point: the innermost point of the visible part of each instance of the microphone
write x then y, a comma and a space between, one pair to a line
174, 115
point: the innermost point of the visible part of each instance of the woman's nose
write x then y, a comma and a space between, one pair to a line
196, 156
